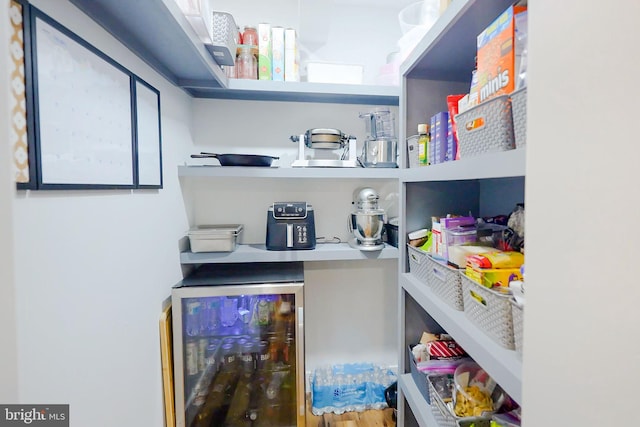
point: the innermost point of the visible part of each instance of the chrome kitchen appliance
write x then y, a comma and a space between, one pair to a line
290, 226
323, 147
366, 222
380, 148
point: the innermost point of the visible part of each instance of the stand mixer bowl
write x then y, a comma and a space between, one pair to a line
367, 226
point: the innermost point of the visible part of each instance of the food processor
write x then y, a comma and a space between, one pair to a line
366, 222
380, 149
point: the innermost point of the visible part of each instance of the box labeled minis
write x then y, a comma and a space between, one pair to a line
497, 65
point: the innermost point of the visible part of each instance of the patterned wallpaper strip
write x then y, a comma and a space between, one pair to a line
17, 98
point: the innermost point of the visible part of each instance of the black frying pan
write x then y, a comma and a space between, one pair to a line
238, 159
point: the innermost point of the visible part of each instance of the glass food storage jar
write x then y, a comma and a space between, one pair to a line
246, 63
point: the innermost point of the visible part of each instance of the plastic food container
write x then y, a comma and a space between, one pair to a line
418, 237
476, 394
214, 238
461, 235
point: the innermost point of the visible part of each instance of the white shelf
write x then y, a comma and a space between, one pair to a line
420, 407
259, 253
158, 32
303, 91
276, 172
491, 165
502, 364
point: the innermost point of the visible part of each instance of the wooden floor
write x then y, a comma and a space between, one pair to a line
382, 418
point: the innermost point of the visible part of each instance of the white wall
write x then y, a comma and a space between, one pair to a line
582, 320
8, 354
92, 271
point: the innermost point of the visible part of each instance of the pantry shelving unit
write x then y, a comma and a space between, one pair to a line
485, 185
158, 32
341, 251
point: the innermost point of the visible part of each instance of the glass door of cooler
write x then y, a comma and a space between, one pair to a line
238, 354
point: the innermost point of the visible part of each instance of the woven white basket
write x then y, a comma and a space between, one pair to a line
519, 111
445, 282
489, 310
486, 128
517, 312
224, 34
418, 263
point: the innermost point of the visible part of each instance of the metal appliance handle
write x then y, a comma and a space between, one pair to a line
301, 373
289, 235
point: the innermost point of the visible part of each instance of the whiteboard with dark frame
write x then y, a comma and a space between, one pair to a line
148, 136
83, 101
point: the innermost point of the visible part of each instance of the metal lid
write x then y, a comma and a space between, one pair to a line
366, 198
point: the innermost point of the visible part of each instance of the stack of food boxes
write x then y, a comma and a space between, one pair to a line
278, 57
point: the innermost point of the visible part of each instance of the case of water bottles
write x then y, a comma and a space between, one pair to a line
349, 387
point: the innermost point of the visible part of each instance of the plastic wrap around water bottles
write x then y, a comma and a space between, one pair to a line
349, 387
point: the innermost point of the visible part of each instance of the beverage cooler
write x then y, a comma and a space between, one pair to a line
239, 346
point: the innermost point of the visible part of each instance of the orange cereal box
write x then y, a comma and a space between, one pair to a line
497, 65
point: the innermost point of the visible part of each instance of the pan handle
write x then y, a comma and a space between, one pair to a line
204, 156
216, 155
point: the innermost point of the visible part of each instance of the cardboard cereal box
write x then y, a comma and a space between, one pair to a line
291, 56
497, 67
277, 49
264, 51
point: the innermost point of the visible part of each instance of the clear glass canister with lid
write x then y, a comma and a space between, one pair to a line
246, 63
250, 36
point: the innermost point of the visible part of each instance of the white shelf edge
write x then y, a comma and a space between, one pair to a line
259, 253
502, 364
268, 90
286, 172
419, 406
491, 165
311, 87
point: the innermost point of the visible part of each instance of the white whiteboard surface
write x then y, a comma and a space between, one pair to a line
148, 136
84, 114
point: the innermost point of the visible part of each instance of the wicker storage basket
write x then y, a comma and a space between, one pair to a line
418, 265
445, 282
517, 312
442, 414
224, 34
519, 110
488, 310
486, 128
